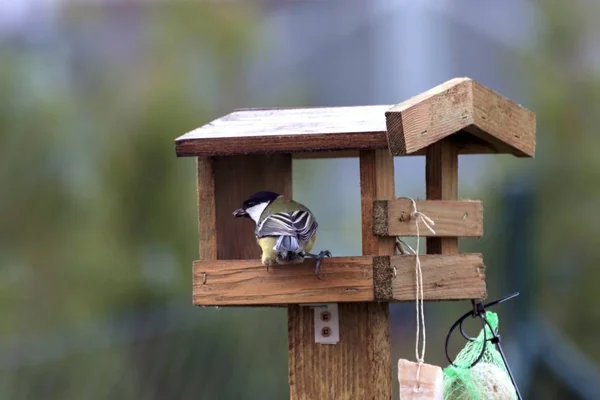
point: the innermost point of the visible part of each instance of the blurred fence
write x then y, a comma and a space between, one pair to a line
164, 352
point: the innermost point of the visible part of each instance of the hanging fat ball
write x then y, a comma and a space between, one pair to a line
485, 381
285, 230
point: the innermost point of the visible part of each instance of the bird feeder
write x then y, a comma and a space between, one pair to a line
338, 326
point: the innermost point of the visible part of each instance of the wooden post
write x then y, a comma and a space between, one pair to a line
377, 183
359, 366
441, 174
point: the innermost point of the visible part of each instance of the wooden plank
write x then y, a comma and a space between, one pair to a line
503, 121
430, 116
247, 282
207, 216
316, 130
460, 105
441, 175
458, 277
325, 154
376, 183
452, 218
345, 279
288, 130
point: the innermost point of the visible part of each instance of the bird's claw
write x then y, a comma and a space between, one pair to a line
318, 258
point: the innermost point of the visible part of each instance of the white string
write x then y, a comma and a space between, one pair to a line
428, 222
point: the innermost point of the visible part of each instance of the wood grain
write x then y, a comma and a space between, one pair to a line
460, 105
207, 216
504, 122
222, 185
430, 116
438, 111
430, 383
376, 183
452, 218
459, 277
245, 282
441, 183
325, 154
359, 367
236, 178
345, 279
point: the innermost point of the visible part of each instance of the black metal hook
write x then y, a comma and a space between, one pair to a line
479, 311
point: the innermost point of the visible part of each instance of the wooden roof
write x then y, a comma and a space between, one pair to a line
290, 130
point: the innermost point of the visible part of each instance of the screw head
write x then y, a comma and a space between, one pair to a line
325, 316
325, 332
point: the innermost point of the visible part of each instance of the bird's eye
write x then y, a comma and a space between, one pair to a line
250, 204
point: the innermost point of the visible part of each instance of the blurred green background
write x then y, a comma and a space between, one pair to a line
97, 215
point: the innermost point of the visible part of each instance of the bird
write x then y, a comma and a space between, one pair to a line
285, 229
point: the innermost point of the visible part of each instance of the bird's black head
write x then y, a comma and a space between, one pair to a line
258, 198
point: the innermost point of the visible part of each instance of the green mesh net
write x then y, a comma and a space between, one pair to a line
487, 380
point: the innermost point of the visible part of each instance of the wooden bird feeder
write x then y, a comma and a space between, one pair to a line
338, 327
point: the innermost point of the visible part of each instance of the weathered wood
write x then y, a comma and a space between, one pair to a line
445, 110
236, 178
342, 371
500, 121
430, 383
325, 154
207, 209
362, 358
452, 218
460, 104
376, 183
244, 282
222, 184
345, 279
458, 277
441, 175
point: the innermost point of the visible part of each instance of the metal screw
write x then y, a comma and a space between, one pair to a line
325, 331
325, 315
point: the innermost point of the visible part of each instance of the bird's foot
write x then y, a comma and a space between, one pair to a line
318, 258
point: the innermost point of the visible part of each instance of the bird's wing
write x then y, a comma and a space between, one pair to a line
294, 229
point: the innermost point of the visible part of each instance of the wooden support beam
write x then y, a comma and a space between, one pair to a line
362, 357
458, 277
207, 208
344, 279
376, 183
441, 174
452, 218
245, 282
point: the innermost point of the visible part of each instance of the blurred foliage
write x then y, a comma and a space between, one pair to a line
98, 215
565, 87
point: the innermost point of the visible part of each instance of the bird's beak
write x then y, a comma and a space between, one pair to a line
240, 212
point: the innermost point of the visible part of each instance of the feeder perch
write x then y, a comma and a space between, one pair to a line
252, 149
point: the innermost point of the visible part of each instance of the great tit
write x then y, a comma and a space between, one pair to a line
285, 230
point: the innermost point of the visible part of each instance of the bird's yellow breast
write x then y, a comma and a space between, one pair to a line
269, 255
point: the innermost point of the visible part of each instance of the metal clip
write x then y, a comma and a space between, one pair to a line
327, 322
